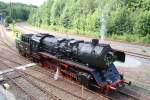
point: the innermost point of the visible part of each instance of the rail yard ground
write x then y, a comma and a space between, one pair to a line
133, 66
37, 83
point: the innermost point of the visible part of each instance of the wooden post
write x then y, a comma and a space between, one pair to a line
82, 89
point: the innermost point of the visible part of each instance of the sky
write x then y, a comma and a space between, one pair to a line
33, 2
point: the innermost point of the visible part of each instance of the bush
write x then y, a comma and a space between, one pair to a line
142, 24
128, 20
146, 39
120, 22
9, 19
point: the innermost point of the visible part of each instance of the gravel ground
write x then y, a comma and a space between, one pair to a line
139, 75
8, 53
27, 86
20, 95
66, 86
2, 66
132, 74
134, 90
130, 69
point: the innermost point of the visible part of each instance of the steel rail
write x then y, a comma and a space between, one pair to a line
16, 84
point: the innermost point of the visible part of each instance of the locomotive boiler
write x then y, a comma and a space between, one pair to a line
91, 54
90, 63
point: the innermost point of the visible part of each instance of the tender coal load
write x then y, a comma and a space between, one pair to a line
91, 54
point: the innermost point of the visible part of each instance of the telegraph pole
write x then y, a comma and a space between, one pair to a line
10, 12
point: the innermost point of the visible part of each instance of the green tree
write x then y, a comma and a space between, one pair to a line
142, 24
125, 17
9, 19
17, 11
120, 22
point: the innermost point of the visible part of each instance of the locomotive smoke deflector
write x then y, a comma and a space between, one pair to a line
114, 55
120, 56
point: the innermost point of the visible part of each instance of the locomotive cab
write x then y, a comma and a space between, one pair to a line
24, 44
35, 43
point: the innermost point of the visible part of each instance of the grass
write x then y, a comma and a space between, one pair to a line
71, 31
134, 38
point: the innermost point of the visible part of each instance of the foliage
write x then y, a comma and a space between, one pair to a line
16, 11
142, 24
9, 19
124, 18
120, 22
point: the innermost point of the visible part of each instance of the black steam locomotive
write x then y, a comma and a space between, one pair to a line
89, 63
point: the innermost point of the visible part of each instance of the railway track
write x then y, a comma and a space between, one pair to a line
44, 81
8, 41
129, 53
51, 74
21, 75
5, 43
10, 48
129, 95
16, 84
138, 55
40, 88
26, 77
141, 56
15, 52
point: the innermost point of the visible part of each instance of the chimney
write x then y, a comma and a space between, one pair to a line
95, 42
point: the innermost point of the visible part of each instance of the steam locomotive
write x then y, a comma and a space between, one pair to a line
89, 63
